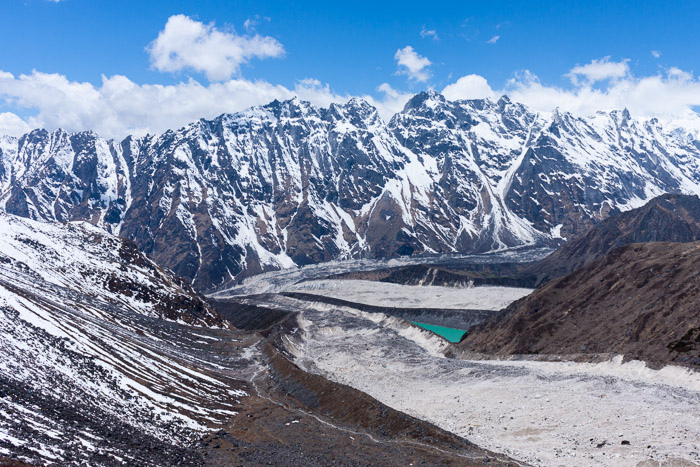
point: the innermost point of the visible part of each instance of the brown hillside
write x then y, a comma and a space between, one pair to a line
641, 300
667, 218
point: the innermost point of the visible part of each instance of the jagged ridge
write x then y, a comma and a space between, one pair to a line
289, 184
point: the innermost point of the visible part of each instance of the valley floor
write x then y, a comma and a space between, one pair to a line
396, 295
85, 377
541, 413
84, 381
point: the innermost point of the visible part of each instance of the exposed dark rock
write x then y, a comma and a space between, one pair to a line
639, 300
668, 218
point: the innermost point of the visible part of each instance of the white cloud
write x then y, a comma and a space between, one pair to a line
393, 101
655, 53
188, 44
11, 124
469, 87
493, 40
669, 95
429, 33
119, 106
250, 23
598, 70
412, 64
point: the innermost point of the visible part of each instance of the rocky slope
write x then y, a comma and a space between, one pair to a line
86, 260
640, 300
667, 218
108, 359
289, 184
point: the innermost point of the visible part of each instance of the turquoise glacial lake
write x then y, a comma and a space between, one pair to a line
451, 334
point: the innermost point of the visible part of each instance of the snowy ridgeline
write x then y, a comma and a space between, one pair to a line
542, 413
409, 296
289, 184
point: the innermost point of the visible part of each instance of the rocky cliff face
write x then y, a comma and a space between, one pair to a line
289, 184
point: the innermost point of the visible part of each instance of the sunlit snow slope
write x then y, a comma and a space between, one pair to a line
106, 358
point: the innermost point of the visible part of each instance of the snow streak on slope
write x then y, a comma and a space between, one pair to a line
92, 373
542, 413
289, 184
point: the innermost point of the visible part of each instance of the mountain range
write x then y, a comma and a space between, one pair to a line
290, 184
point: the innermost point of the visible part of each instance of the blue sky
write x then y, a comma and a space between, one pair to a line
327, 51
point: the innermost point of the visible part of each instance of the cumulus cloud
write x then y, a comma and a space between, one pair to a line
429, 33
412, 64
119, 106
655, 53
469, 87
188, 44
670, 94
493, 40
391, 102
11, 124
598, 70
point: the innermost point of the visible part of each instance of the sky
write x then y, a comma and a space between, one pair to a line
127, 67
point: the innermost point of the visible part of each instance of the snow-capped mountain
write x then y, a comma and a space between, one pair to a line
290, 184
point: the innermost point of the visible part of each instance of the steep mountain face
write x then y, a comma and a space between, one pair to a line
579, 171
667, 218
640, 300
289, 184
475, 147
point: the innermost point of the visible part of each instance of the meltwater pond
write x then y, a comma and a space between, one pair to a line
451, 334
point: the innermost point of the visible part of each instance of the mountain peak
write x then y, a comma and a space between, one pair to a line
290, 108
556, 116
358, 103
504, 100
626, 117
430, 99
